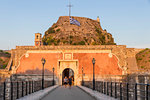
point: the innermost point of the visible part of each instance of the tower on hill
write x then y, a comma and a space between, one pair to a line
98, 20
38, 39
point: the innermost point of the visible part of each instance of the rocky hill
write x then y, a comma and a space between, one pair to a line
143, 59
88, 33
4, 59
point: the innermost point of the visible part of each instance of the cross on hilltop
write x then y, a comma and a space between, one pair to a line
69, 6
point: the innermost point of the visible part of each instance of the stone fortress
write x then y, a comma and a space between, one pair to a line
70, 58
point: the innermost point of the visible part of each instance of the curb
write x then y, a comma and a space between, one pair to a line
48, 92
88, 93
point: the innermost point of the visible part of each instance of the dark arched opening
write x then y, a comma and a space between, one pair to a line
67, 73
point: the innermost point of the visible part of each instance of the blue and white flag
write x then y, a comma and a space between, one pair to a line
73, 21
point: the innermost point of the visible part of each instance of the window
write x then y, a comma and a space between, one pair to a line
37, 36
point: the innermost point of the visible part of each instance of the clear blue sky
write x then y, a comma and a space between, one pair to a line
127, 20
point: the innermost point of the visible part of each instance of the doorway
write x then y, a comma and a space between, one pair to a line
68, 72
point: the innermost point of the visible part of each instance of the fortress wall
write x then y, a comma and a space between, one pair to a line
112, 61
125, 56
103, 63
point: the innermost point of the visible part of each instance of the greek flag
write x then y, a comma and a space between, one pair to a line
73, 21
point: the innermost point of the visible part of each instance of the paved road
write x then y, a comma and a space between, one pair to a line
62, 93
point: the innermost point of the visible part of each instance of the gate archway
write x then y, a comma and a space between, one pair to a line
68, 72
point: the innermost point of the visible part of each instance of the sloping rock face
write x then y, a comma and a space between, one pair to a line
4, 59
88, 33
143, 59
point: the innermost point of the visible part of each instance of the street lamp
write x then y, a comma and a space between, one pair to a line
82, 77
53, 76
43, 62
93, 61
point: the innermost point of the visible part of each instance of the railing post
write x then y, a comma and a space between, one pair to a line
26, 88
29, 87
111, 89
104, 87
135, 91
17, 90
120, 91
107, 88
11, 90
147, 92
127, 91
22, 89
32, 86
4, 90
115, 90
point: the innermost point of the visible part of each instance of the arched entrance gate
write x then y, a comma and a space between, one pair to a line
68, 72
68, 68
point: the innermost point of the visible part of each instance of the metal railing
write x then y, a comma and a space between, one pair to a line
122, 91
17, 89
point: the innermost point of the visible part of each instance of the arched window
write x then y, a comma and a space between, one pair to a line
37, 36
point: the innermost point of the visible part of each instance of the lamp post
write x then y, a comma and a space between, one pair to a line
82, 77
53, 76
43, 62
93, 61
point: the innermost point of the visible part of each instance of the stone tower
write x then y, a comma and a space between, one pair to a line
98, 19
38, 39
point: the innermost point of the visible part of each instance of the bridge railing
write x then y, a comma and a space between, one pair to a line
16, 89
122, 91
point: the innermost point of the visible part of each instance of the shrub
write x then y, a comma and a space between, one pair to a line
71, 36
143, 55
56, 26
147, 49
85, 39
74, 43
81, 43
1, 50
58, 30
58, 40
98, 30
94, 43
1, 59
142, 66
51, 30
70, 42
6, 52
65, 42
149, 60
4, 66
139, 58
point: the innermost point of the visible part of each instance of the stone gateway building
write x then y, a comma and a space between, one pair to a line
71, 60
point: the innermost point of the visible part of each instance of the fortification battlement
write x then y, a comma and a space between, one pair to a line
97, 47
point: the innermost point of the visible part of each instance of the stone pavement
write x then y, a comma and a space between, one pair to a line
62, 93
